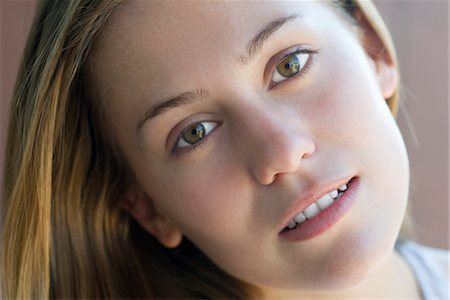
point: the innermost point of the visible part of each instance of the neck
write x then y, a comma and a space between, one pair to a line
394, 279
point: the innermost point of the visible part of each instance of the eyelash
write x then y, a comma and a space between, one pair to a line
301, 72
208, 130
180, 150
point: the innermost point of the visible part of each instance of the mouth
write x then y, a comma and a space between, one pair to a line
327, 208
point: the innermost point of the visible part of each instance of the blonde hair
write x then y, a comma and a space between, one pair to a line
63, 233
375, 20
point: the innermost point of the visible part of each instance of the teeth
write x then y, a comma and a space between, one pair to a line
333, 194
315, 208
324, 202
300, 218
342, 187
291, 224
312, 211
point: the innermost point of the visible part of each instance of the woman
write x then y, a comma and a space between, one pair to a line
206, 150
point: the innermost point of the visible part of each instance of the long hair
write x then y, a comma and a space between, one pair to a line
63, 232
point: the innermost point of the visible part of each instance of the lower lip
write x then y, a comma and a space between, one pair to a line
325, 219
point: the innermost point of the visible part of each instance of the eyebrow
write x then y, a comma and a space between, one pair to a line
165, 105
254, 47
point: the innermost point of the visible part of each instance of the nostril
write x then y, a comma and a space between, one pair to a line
270, 163
267, 179
308, 148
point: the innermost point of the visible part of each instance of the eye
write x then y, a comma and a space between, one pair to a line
291, 65
194, 133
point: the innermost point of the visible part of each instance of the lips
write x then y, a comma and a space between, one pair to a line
326, 218
308, 198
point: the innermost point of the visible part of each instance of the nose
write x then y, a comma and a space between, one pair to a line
279, 147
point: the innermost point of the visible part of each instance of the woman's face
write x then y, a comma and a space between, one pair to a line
251, 132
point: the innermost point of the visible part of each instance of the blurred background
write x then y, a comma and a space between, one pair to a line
420, 30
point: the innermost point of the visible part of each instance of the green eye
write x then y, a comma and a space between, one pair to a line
194, 133
291, 65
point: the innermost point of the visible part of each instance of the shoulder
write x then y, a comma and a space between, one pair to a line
437, 258
431, 267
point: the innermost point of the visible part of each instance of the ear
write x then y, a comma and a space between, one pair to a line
384, 67
143, 209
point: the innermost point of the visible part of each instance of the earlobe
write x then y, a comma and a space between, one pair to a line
164, 231
142, 209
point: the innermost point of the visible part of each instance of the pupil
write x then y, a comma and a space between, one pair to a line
289, 66
194, 134
198, 131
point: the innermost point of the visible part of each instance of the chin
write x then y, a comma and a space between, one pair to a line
351, 276
352, 261
357, 264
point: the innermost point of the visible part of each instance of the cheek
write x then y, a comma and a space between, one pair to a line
359, 124
353, 112
363, 127
203, 199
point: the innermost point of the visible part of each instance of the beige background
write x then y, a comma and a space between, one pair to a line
421, 33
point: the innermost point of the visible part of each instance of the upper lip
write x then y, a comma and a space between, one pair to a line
308, 197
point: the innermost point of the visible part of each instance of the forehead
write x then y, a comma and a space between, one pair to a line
159, 25
156, 38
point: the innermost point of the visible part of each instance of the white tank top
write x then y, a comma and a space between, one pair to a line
430, 267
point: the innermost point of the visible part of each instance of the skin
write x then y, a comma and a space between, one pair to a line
270, 144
